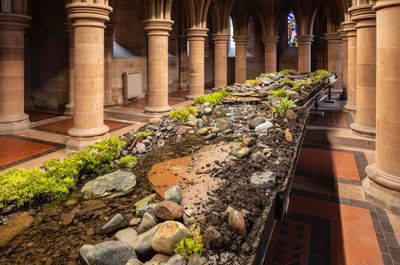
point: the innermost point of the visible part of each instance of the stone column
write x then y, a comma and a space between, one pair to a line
220, 59
157, 31
88, 23
350, 28
183, 63
343, 35
108, 60
383, 182
305, 53
335, 57
364, 16
270, 54
241, 58
69, 108
12, 73
196, 38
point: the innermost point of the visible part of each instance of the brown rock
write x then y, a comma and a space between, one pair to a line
67, 218
288, 136
237, 223
248, 141
167, 236
168, 210
13, 227
92, 205
182, 129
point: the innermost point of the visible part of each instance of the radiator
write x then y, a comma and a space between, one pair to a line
133, 85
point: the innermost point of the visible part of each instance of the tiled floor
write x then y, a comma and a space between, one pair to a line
35, 116
332, 119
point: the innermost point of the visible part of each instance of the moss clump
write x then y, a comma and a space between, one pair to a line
144, 134
283, 106
57, 177
183, 114
127, 161
253, 82
301, 83
214, 98
320, 75
188, 247
280, 93
287, 72
287, 83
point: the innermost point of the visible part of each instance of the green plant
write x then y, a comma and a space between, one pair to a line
283, 105
187, 247
143, 134
301, 83
287, 82
183, 114
253, 82
213, 98
320, 75
280, 93
128, 161
288, 72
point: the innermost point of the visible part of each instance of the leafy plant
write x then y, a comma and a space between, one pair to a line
280, 93
183, 114
282, 107
143, 134
128, 161
213, 98
288, 72
187, 247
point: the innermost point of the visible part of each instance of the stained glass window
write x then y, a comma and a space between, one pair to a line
292, 30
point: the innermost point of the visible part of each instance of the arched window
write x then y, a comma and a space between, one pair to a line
232, 46
292, 30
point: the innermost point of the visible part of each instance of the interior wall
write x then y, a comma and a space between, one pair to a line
287, 56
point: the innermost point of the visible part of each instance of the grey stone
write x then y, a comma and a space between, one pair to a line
147, 209
264, 126
116, 223
126, 235
263, 180
111, 252
177, 260
174, 194
168, 235
143, 203
147, 223
141, 148
134, 262
258, 157
117, 183
211, 136
142, 243
256, 121
197, 260
223, 124
208, 110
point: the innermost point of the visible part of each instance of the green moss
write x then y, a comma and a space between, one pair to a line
280, 93
288, 72
253, 82
188, 247
57, 177
214, 98
320, 75
144, 134
287, 83
128, 161
183, 114
283, 106
301, 83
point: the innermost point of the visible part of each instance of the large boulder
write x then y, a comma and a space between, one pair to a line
168, 235
115, 184
111, 252
168, 210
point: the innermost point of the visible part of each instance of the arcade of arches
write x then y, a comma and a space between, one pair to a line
70, 57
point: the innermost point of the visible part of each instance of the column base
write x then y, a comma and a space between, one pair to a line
193, 96
109, 103
15, 124
157, 109
69, 110
75, 144
381, 196
363, 129
350, 107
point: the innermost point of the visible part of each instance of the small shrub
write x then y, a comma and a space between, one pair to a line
283, 106
127, 161
280, 93
188, 247
288, 72
183, 114
143, 134
214, 98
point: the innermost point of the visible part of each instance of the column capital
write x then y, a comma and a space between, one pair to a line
333, 37
88, 15
270, 39
220, 37
305, 38
241, 39
363, 15
158, 27
386, 4
343, 34
350, 28
196, 33
13, 21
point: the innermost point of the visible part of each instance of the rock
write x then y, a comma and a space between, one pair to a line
148, 209
203, 131
134, 262
241, 152
13, 227
264, 126
67, 218
293, 95
197, 260
291, 115
256, 121
174, 194
237, 223
192, 123
126, 235
223, 124
212, 238
142, 243
135, 221
117, 183
116, 223
159, 258
288, 136
211, 136
208, 110
147, 223
167, 236
182, 129
111, 252
228, 131
263, 180
258, 157
248, 141
141, 148
177, 260
141, 205
168, 210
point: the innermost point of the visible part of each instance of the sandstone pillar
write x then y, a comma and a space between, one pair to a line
241, 58
69, 108
183, 82
12, 72
364, 16
350, 28
305, 53
220, 59
270, 54
343, 35
88, 23
108, 60
157, 31
196, 38
335, 57
383, 182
